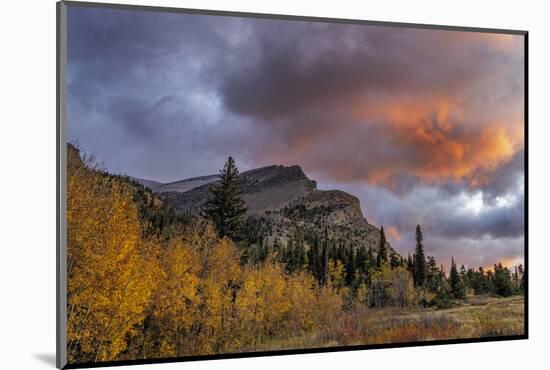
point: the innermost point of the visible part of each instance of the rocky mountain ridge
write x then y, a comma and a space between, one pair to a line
282, 202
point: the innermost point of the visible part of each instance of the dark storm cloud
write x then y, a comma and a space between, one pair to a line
408, 96
422, 125
504, 179
143, 85
311, 64
113, 42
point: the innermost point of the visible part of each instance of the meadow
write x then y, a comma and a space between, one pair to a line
475, 317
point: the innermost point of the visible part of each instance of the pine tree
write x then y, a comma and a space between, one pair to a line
464, 277
226, 207
382, 255
370, 266
299, 255
313, 259
457, 289
262, 251
522, 278
420, 260
432, 280
410, 263
502, 282
361, 260
516, 278
350, 266
288, 256
324, 259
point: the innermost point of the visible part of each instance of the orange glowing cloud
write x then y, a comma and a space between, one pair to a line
444, 139
393, 233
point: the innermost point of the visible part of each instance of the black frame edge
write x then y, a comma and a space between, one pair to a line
291, 352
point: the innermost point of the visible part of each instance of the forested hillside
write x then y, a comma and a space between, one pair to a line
287, 213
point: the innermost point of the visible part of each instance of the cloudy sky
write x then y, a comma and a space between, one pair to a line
424, 126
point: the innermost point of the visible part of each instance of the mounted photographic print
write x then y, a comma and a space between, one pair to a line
234, 184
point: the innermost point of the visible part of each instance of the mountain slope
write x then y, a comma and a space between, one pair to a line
186, 185
153, 185
283, 203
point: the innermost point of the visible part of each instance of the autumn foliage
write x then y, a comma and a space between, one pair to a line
136, 297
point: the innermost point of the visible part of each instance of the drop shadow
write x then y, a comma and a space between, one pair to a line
47, 358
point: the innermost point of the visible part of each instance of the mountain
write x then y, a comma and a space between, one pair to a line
266, 188
153, 185
186, 185
282, 203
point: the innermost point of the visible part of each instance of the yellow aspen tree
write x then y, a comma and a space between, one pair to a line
174, 301
109, 285
336, 272
301, 296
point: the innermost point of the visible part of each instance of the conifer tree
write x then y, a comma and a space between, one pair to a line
457, 289
516, 278
361, 260
420, 260
350, 266
226, 207
324, 259
382, 255
299, 255
288, 254
522, 278
502, 282
313, 259
432, 280
262, 251
464, 277
370, 267
410, 263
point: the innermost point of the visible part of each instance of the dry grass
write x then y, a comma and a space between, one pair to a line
477, 317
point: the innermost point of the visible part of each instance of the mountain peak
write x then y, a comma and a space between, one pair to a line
275, 176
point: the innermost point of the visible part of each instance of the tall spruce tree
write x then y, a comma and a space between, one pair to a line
419, 260
502, 282
350, 266
410, 263
457, 289
361, 259
314, 259
299, 255
324, 258
226, 206
382, 255
522, 274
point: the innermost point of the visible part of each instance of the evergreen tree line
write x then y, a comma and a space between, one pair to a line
433, 279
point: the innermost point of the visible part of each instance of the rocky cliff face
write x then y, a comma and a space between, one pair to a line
283, 201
